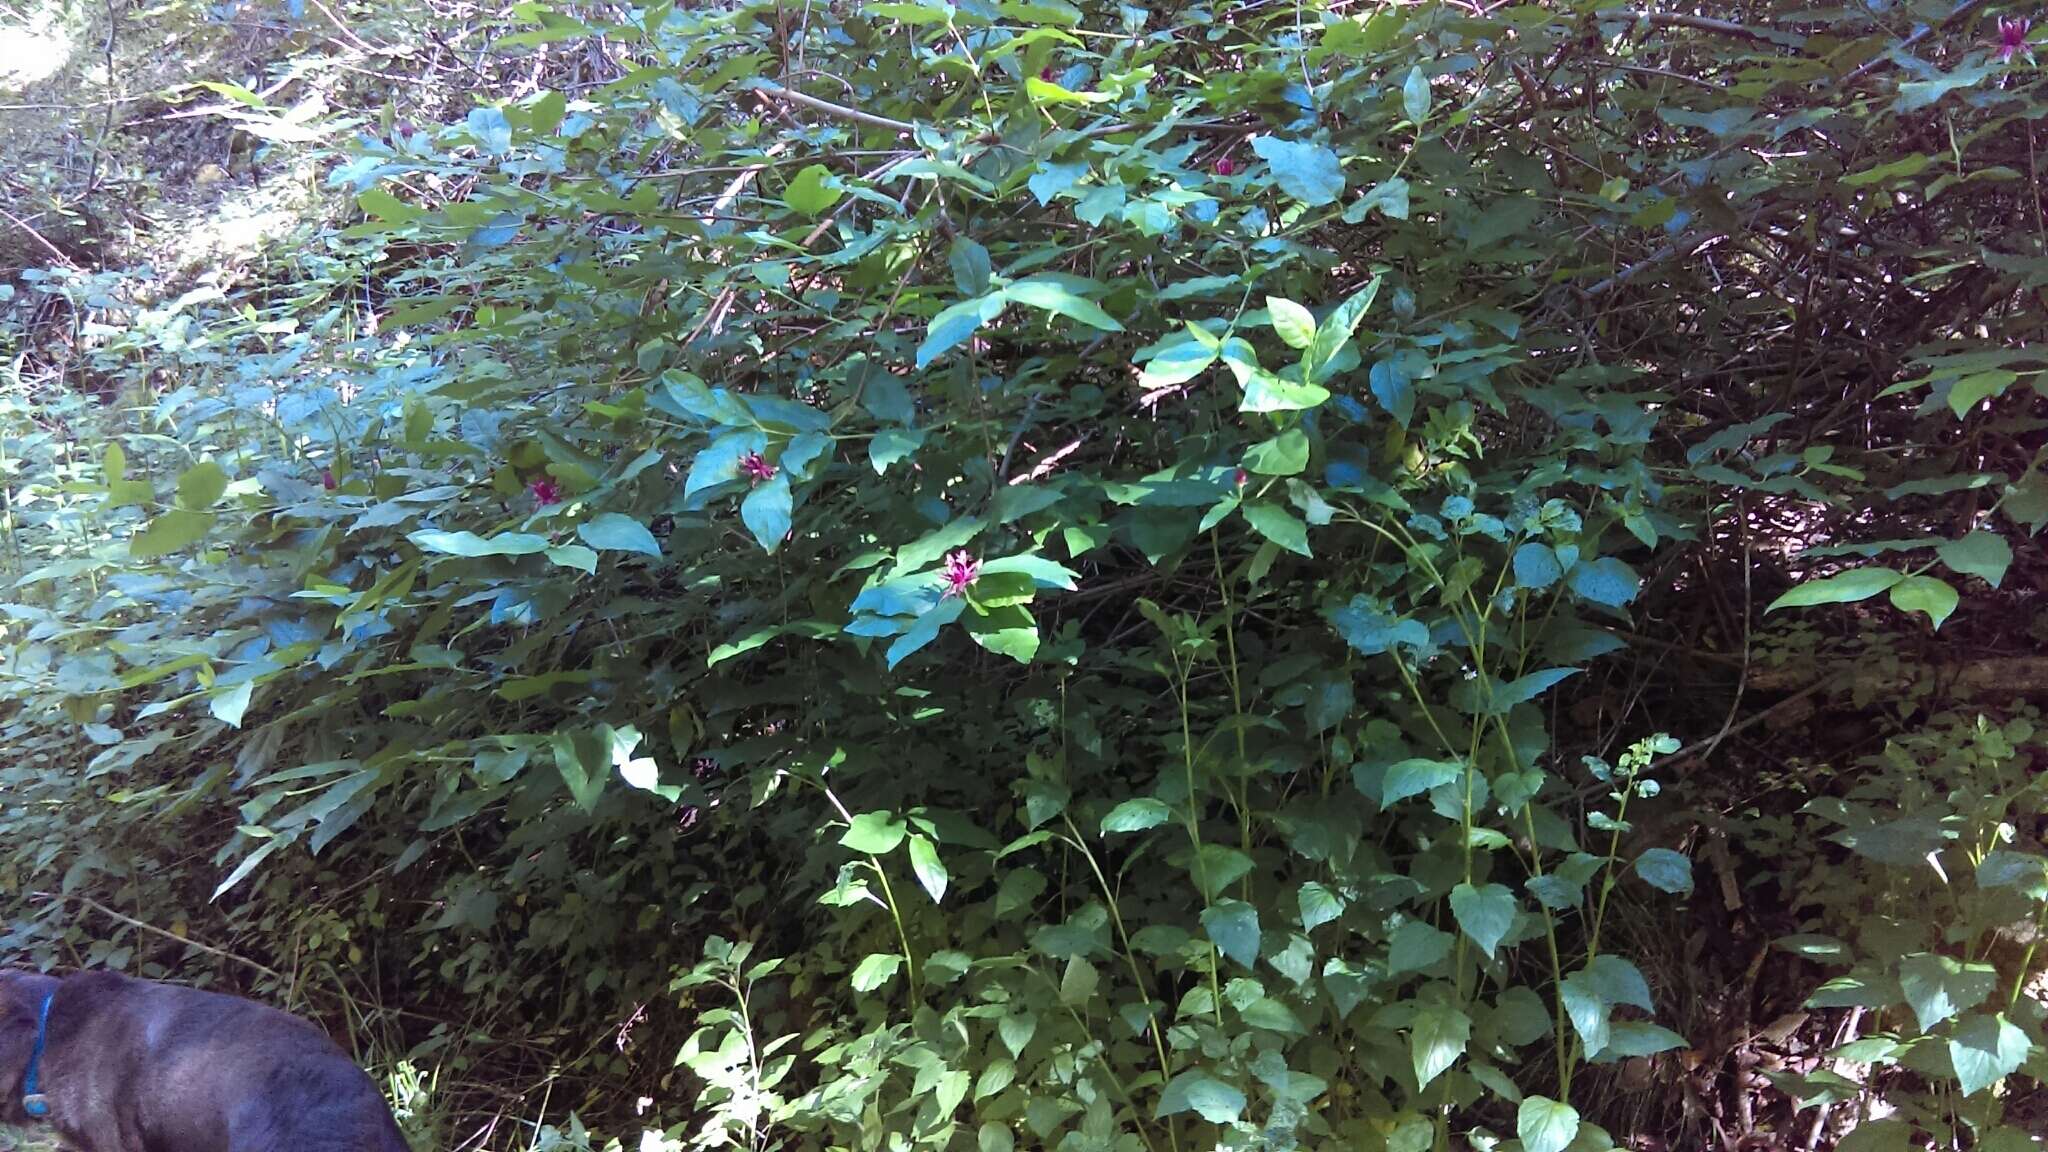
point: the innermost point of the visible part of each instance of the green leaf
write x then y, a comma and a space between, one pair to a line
1079, 982
876, 970
1629, 1038
1417, 947
1545, 1125
1055, 298
814, 190
171, 531
1982, 554
1233, 926
1136, 815
1536, 566
1319, 905
1265, 392
1176, 363
1938, 987
766, 511
1412, 777
1336, 331
951, 327
1847, 588
1666, 870
2026, 871
1415, 96
1485, 913
1294, 324
970, 265
891, 445
930, 870
1973, 390
469, 544
583, 757
1436, 1039
1283, 455
229, 704
574, 556
1278, 525
1985, 1050
201, 486
1604, 581
1310, 173
1925, 594
874, 834
1198, 1092
1814, 946
1047, 92
614, 532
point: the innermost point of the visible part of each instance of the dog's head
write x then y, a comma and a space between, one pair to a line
21, 1001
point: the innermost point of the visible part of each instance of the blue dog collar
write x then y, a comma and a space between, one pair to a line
32, 1100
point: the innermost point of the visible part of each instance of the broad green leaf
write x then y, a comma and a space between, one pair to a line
1983, 554
1417, 947
1079, 982
1047, 92
1283, 455
1972, 390
1666, 870
1310, 173
2004, 868
170, 531
1546, 1125
614, 532
1233, 926
1265, 392
1319, 905
469, 544
1412, 777
1605, 581
1925, 594
766, 511
1294, 324
1415, 96
1136, 815
1336, 331
969, 262
201, 486
951, 327
1055, 298
930, 871
574, 556
1176, 363
1847, 588
1278, 525
1437, 1038
229, 704
1985, 1050
893, 445
1885, 1135
1536, 566
874, 833
1484, 913
1198, 1092
1938, 987
1629, 1038
814, 190
877, 969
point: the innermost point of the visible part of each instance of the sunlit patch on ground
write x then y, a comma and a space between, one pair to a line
34, 45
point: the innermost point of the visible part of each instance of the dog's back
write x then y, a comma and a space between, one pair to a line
150, 1067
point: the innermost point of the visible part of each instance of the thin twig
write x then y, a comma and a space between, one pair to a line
841, 111
132, 922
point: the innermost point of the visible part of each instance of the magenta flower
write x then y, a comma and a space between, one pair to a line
1241, 478
1226, 167
755, 468
545, 492
327, 479
2012, 39
1045, 73
961, 572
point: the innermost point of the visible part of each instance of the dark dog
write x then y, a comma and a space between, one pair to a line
124, 1065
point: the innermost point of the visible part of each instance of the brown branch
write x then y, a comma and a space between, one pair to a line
830, 109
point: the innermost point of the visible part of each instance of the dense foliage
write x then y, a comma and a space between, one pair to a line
1054, 574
